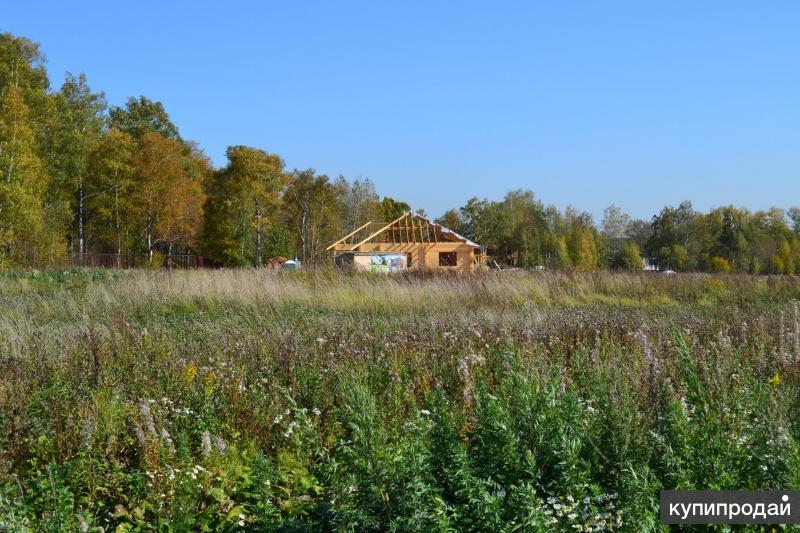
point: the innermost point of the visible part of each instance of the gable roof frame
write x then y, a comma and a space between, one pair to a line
445, 230
429, 233
387, 226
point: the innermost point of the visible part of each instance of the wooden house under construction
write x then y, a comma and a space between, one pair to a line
411, 242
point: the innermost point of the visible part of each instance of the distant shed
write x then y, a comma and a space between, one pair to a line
276, 263
411, 242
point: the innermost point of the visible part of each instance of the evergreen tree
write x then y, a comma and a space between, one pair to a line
392, 209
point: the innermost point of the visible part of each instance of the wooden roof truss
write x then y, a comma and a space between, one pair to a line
409, 228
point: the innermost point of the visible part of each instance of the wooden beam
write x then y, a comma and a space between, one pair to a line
418, 221
412, 247
389, 225
349, 235
390, 246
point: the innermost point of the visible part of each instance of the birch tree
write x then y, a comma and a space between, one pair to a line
23, 182
311, 213
78, 130
110, 181
165, 202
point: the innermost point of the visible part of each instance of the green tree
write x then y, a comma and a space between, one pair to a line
259, 177
639, 231
582, 239
311, 214
277, 240
583, 249
78, 131
765, 232
720, 265
782, 261
729, 229
23, 182
141, 116
630, 256
243, 208
672, 234
392, 209
794, 217
794, 247
452, 219
22, 65
482, 222
673, 257
109, 183
557, 255
523, 228
358, 203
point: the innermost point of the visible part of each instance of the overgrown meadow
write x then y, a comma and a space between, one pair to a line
246, 400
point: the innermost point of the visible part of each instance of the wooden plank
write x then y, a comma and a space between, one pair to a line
389, 225
349, 235
388, 247
432, 248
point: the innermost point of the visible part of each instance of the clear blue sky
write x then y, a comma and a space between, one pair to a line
641, 104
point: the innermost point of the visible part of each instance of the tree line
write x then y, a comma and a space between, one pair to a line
522, 231
78, 176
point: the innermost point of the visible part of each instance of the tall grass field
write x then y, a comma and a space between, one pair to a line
253, 401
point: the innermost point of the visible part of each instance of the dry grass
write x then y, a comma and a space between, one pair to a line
536, 385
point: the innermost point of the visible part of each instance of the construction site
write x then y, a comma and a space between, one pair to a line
410, 242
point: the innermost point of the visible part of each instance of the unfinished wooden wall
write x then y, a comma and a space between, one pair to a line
426, 256
430, 257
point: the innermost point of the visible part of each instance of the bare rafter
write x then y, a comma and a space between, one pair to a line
387, 226
348, 235
409, 228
